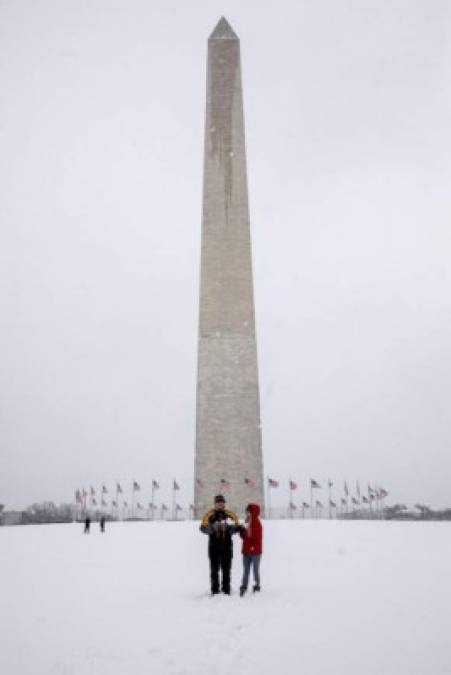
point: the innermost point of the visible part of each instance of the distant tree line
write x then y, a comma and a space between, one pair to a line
49, 512
42, 512
400, 512
419, 512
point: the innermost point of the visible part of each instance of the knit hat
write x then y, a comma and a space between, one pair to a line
219, 498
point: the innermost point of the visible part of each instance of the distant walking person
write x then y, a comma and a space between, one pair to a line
87, 524
252, 536
220, 525
102, 524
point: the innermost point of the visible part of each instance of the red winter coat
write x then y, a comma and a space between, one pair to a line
252, 533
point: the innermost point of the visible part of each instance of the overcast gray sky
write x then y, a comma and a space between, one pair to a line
347, 111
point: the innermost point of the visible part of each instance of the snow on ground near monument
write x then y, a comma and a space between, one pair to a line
338, 598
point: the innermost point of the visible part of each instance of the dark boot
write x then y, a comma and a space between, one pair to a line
256, 588
243, 590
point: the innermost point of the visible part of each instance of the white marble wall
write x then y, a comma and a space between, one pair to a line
228, 432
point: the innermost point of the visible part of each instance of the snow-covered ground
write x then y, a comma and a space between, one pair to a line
340, 598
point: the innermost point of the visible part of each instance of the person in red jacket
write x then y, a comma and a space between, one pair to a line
252, 536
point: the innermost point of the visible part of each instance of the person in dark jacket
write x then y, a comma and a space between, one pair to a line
220, 525
102, 524
252, 536
87, 524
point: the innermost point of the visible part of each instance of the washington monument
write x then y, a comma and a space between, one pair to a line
228, 432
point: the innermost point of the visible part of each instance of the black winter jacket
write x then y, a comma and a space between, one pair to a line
220, 525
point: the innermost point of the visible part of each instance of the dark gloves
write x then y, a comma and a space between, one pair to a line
206, 530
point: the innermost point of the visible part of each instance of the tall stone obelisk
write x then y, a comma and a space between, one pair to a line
228, 432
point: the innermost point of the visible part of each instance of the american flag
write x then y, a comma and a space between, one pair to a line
139, 505
318, 504
125, 505
78, 497
178, 507
346, 490
249, 482
273, 483
136, 486
155, 485
332, 504
383, 493
293, 485
305, 505
365, 500
93, 501
114, 503
175, 485
104, 490
293, 506
329, 483
92, 491
118, 488
224, 482
314, 483
164, 507
354, 501
343, 501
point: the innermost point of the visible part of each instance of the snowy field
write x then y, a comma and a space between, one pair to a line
340, 598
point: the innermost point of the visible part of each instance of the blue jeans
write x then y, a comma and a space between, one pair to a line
249, 560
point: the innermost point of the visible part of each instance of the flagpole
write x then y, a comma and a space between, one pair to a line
269, 500
151, 508
330, 498
290, 495
133, 500
311, 499
173, 499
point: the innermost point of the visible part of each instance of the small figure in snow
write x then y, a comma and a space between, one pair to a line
220, 525
87, 524
252, 536
102, 524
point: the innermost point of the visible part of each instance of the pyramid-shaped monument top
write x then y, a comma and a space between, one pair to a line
223, 31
